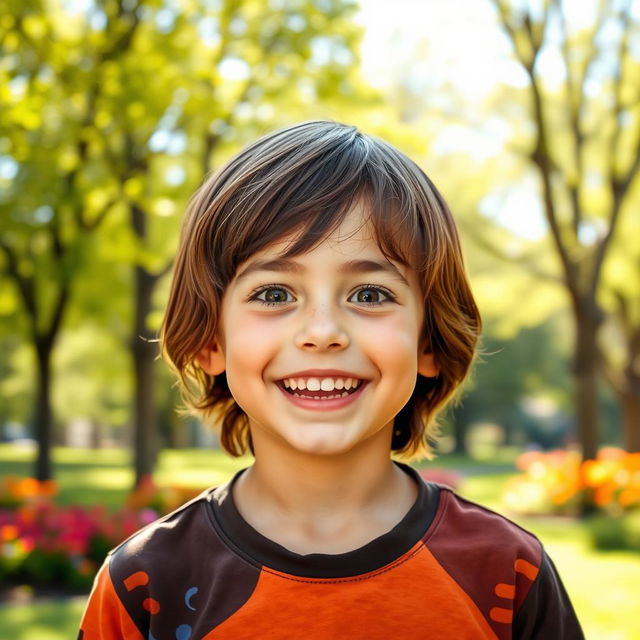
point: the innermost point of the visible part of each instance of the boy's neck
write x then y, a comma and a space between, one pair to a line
302, 502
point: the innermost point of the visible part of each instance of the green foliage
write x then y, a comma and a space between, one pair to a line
115, 105
111, 113
93, 377
51, 569
622, 532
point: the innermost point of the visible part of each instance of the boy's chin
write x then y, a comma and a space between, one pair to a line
325, 444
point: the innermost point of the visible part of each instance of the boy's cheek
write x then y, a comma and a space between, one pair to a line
251, 348
402, 333
247, 328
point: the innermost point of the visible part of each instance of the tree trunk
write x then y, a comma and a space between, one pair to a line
630, 404
586, 364
144, 353
43, 417
96, 435
460, 423
180, 435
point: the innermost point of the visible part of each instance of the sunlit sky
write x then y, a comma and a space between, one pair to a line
460, 42
460, 37
465, 44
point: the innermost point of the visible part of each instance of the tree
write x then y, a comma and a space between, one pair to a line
620, 345
585, 150
56, 189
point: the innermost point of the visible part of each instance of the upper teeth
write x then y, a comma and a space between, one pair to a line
324, 384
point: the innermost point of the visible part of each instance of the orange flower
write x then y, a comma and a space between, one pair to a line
525, 460
629, 497
48, 488
603, 496
596, 473
86, 567
27, 514
632, 461
565, 492
27, 545
613, 454
27, 488
9, 532
554, 480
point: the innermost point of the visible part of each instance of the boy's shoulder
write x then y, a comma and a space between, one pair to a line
481, 548
162, 568
160, 527
469, 527
464, 517
173, 533
504, 566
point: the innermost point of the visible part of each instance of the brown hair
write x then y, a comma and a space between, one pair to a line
302, 181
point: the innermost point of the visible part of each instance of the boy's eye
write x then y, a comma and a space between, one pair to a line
272, 295
371, 295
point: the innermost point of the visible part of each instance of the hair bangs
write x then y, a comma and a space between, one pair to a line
311, 209
303, 193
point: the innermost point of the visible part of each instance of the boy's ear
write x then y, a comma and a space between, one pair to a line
211, 359
427, 365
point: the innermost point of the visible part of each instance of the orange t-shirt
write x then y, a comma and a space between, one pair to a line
449, 569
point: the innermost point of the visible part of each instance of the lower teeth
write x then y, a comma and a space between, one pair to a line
344, 395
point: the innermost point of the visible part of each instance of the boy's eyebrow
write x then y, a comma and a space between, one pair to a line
374, 266
284, 265
277, 264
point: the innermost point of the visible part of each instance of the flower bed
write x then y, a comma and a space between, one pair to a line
439, 475
559, 483
44, 544
549, 485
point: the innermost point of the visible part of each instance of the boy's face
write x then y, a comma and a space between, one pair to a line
329, 318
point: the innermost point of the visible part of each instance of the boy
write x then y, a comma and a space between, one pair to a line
320, 311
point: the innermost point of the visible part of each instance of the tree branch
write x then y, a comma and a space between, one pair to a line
25, 285
60, 305
164, 270
542, 160
576, 98
540, 155
102, 214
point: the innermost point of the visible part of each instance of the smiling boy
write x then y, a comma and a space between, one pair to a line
321, 312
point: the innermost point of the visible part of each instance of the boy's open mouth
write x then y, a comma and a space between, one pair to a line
321, 388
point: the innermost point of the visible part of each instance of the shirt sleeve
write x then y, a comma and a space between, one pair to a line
105, 618
547, 611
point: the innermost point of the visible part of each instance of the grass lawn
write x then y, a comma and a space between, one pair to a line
42, 620
604, 587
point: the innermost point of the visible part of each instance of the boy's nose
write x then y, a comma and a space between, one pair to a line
321, 331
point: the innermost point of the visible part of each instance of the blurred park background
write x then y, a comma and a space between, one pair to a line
525, 113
